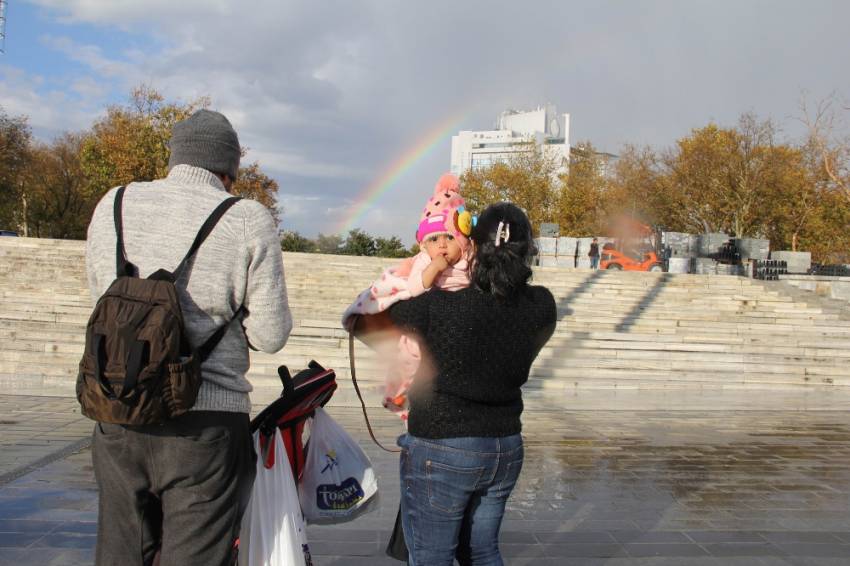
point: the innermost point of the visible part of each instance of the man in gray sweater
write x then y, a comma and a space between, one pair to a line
179, 488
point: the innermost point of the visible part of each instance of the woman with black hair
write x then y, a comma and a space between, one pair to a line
463, 451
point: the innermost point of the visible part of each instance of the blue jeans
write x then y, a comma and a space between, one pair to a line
453, 496
594, 262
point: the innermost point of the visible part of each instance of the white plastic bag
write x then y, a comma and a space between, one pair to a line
338, 479
273, 532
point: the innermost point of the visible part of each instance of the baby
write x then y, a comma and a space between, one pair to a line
442, 263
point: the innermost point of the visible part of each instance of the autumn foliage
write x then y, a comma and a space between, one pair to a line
740, 180
49, 190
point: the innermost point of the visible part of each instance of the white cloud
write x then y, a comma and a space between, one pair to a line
125, 12
328, 94
49, 111
286, 162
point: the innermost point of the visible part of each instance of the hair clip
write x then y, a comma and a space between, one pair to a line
503, 232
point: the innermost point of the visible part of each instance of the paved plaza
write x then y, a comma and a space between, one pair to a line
610, 478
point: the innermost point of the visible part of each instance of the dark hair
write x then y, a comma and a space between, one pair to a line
502, 270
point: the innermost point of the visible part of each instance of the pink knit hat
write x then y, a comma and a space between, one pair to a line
444, 212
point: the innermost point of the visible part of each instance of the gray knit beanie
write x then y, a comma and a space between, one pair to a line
207, 140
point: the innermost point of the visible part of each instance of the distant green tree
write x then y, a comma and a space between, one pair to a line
330, 244
390, 247
292, 241
359, 242
414, 249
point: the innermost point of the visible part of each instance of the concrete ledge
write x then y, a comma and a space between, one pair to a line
822, 285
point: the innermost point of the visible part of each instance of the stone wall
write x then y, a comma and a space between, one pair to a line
822, 285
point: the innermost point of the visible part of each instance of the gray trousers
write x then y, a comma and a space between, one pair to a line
177, 489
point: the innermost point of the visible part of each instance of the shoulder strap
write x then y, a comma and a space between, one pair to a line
122, 266
360, 396
205, 231
205, 349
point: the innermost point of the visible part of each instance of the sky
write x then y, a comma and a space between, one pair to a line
331, 97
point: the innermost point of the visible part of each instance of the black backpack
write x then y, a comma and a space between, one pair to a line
138, 366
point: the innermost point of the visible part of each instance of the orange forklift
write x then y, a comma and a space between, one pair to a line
635, 248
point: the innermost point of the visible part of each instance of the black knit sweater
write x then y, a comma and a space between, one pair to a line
477, 353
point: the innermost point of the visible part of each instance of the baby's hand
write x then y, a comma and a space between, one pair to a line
440, 263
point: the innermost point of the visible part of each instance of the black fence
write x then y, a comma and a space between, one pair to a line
769, 269
829, 270
728, 254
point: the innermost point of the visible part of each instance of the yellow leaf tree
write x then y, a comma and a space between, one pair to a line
131, 142
254, 184
529, 179
580, 205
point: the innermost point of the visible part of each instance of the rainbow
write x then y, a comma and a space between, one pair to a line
390, 176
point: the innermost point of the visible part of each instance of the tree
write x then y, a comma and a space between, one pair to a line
579, 208
720, 179
827, 236
796, 194
254, 184
390, 247
60, 203
529, 180
638, 188
291, 241
15, 156
359, 242
53, 188
131, 142
330, 244
833, 151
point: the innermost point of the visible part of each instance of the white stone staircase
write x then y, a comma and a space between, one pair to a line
616, 329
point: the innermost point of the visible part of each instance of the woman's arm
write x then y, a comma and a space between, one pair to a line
413, 313
549, 320
375, 329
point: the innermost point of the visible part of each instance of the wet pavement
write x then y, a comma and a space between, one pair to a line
610, 478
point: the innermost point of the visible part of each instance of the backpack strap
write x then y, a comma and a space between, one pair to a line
207, 347
206, 230
122, 266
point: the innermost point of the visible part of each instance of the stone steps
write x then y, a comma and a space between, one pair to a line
623, 329
541, 376
48, 338
80, 314
575, 368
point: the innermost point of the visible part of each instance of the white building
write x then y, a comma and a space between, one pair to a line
515, 130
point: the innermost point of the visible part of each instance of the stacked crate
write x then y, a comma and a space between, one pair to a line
753, 248
797, 262
680, 248
710, 244
547, 250
680, 244
582, 249
567, 251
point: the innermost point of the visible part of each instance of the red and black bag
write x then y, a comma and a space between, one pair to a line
302, 394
